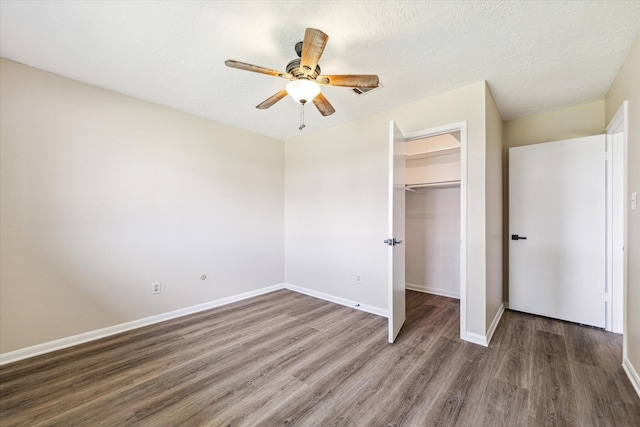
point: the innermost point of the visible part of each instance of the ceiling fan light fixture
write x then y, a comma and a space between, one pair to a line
303, 90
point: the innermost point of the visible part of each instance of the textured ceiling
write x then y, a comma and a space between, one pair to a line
536, 55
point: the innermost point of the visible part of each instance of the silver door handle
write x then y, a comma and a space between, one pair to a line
392, 242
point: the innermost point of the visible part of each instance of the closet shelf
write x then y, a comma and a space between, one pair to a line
440, 184
433, 153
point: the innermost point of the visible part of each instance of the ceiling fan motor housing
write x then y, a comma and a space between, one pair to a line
296, 71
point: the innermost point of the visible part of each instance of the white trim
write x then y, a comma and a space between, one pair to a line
494, 324
434, 291
484, 340
620, 122
47, 347
476, 339
337, 300
462, 127
632, 374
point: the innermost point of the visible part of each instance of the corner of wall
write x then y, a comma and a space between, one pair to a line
494, 211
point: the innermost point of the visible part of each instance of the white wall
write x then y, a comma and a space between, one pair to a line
336, 201
493, 186
336, 204
626, 86
102, 194
433, 241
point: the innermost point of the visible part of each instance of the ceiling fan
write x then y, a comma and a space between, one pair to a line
304, 73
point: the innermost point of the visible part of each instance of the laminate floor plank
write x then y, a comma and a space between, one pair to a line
593, 408
292, 362
379, 383
330, 359
426, 381
548, 325
552, 399
341, 318
502, 404
627, 392
456, 405
428, 322
250, 384
285, 358
150, 396
513, 341
327, 381
337, 398
227, 376
581, 344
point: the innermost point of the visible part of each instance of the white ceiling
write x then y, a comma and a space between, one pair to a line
536, 55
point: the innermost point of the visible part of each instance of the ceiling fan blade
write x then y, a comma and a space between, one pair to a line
312, 48
324, 106
256, 69
272, 100
350, 80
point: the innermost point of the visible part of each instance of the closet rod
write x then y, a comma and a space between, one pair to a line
455, 183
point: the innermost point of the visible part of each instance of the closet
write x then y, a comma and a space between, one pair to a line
432, 234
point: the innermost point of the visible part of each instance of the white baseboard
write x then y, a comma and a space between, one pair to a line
632, 374
476, 339
434, 291
337, 300
494, 324
484, 340
36, 350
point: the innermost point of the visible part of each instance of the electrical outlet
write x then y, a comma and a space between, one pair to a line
358, 278
156, 287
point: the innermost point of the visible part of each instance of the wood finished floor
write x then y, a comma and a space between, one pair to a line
289, 359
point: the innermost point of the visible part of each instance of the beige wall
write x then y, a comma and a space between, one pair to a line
626, 86
103, 194
573, 122
494, 199
432, 240
337, 201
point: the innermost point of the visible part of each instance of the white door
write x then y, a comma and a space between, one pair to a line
557, 229
396, 230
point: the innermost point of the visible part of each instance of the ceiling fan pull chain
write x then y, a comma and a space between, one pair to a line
302, 126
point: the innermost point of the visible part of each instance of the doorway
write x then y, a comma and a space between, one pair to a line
432, 222
444, 176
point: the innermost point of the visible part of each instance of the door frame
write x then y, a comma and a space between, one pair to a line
439, 130
617, 289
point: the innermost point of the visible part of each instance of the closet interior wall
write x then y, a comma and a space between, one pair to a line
433, 215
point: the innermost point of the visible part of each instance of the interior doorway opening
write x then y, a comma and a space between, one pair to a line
435, 159
432, 219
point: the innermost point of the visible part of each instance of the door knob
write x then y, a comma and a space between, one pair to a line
392, 242
516, 237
